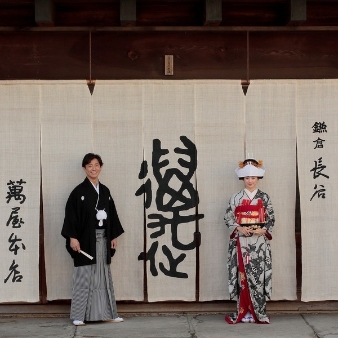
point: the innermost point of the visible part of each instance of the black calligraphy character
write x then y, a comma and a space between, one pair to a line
319, 127
175, 193
146, 187
13, 239
150, 256
17, 277
318, 168
173, 263
15, 191
319, 143
320, 192
168, 197
175, 197
161, 223
14, 218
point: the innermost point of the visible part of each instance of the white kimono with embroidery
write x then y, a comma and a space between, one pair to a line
255, 253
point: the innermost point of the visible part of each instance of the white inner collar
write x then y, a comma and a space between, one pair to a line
251, 194
97, 188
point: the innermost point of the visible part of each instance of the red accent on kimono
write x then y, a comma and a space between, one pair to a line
245, 303
246, 213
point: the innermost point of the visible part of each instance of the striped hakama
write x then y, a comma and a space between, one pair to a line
93, 296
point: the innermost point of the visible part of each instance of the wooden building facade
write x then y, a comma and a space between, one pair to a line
168, 40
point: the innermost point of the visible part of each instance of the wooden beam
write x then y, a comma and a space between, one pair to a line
198, 55
297, 11
213, 12
128, 12
204, 29
44, 12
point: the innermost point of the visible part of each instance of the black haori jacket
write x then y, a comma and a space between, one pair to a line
80, 221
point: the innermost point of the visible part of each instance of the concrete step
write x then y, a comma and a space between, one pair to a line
139, 308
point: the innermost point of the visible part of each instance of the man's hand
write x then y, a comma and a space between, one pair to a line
113, 244
75, 244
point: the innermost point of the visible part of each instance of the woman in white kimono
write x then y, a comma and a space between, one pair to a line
250, 219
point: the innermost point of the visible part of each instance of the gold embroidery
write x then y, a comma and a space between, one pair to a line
241, 164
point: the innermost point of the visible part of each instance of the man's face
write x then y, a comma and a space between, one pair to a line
93, 169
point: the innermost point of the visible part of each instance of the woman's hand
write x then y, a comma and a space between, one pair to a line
75, 244
244, 230
259, 232
113, 243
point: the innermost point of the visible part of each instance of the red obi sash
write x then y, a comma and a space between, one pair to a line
247, 214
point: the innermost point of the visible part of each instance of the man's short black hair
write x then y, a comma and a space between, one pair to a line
90, 157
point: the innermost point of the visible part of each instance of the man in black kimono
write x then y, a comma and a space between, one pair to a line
91, 227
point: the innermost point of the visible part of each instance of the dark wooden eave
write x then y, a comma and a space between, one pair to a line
130, 38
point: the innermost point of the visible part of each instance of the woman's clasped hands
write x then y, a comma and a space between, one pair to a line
247, 231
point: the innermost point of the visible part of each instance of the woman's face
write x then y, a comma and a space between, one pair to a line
251, 182
93, 169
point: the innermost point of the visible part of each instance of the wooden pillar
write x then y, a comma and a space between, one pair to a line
213, 12
44, 12
128, 12
297, 11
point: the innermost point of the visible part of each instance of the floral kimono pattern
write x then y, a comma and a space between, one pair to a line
249, 260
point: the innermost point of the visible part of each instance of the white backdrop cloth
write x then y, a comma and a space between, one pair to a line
121, 121
317, 126
20, 192
229, 126
117, 137
220, 118
75, 123
169, 115
271, 137
66, 135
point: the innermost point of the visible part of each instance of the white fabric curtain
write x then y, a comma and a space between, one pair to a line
128, 122
117, 134
108, 123
220, 144
317, 126
168, 109
230, 125
271, 137
66, 135
20, 187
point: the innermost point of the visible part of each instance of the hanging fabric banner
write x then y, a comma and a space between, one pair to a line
175, 123
20, 189
66, 136
169, 171
169, 149
108, 123
317, 127
271, 137
117, 134
219, 132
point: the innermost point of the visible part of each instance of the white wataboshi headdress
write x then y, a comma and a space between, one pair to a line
250, 167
